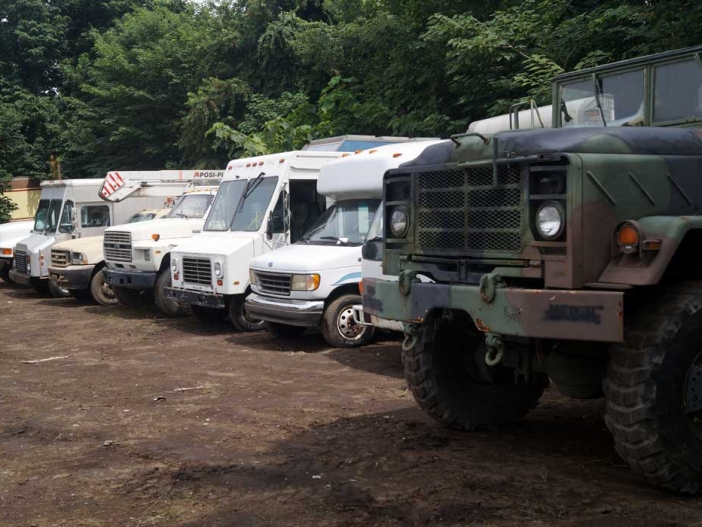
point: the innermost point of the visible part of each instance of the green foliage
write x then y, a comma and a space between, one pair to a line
151, 84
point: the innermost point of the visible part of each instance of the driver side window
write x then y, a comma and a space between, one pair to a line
66, 224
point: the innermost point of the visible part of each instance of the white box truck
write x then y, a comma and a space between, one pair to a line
68, 209
315, 281
10, 234
79, 265
137, 256
265, 203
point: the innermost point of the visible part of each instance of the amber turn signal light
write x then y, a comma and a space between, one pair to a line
7, 252
628, 235
155, 237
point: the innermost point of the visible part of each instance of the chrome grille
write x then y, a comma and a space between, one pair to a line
118, 246
274, 283
60, 258
20, 261
464, 211
197, 270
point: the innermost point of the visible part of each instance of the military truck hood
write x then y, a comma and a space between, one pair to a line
164, 227
13, 232
586, 140
301, 258
220, 244
35, 243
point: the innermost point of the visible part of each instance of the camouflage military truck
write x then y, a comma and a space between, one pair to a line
566, 254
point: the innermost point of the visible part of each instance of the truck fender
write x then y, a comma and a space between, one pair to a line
671, 231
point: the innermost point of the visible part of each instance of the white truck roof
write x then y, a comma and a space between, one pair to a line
118, 185
54, 183
355, 143
299, 164
361, 175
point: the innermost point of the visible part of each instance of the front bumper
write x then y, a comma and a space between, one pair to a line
363, 318
285, 311
196, 298
20, 278
74, 277
534, 313
131, 279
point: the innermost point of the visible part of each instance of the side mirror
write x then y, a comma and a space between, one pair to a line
269, 228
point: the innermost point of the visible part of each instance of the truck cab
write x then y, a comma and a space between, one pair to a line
10, 234
315, 281
137, 256
77, 265
68, 209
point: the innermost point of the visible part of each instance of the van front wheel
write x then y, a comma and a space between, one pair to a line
339, 327
240, 318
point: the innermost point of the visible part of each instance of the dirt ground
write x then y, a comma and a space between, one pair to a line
149, 421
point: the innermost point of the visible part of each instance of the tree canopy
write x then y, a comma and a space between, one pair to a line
152, 84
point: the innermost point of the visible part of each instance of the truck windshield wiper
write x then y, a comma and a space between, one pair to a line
564, 111
597, 99
343, 241
253, 185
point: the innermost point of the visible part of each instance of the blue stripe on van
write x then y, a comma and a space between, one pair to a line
349, 276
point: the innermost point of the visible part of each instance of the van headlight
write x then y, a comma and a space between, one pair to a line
174, 265
218, 269
77, 258
550, 220
305, 282
399, 222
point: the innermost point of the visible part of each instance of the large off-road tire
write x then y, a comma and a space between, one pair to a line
168, 306
338, 326
284, 331
239, 318
443, 371
132, 297
57, 291
208, 315
101, 290
654, 390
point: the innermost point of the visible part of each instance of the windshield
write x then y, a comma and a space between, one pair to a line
66, 224
46, 218
141, 216
192, 206
375, 231
675, 100
345, 222
252, 210
228, 195
620, 97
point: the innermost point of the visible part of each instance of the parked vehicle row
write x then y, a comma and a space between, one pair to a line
533, 248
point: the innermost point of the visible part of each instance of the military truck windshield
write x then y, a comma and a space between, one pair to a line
252, 209
344, 223
621, 100
228, 196
192, 206
677, 91
46, 218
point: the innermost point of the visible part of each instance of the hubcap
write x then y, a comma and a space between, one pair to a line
347, 325
693, 396
249, 318
106, 290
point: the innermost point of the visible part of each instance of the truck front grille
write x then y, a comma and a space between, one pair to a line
118, 246
20, 261
197, 270
60, 258
463, 211
274, 283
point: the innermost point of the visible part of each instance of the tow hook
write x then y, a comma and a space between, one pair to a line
411, 336
405, 280
495, 349
489, 283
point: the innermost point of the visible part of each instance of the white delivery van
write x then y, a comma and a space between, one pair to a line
68, 209
315, 281
265, 203
137, 256
78, 265
10, 234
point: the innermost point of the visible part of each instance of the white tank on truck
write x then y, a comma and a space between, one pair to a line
68, 209
265, 203
10, 234
137, 256
315, 281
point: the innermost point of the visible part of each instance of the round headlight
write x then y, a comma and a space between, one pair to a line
174, 265
399, 222
218, 269
550, 220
